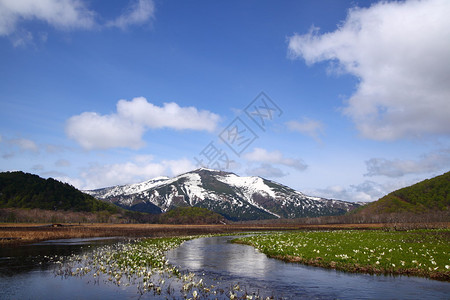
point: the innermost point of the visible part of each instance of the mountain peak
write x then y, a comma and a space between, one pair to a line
234, 197
210, 171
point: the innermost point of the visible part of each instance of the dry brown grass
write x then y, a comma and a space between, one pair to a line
27, 233
13, 233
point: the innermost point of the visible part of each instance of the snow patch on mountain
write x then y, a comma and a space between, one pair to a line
226, 193
250, 185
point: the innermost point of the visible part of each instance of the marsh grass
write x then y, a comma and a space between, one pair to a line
418, 252
142, 264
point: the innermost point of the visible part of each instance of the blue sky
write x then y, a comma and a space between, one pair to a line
355, 105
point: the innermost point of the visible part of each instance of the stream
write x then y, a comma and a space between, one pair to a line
27, 272
254, 271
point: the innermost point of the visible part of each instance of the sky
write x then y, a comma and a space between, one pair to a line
347, 100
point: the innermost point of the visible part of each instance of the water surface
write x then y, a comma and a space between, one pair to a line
218, 259
27, 272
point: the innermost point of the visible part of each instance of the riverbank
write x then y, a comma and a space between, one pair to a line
17, 234
22, 233
424, 253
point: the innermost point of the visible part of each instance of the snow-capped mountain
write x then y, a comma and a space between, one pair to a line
234, 197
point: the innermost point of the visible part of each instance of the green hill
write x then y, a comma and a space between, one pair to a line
24, 190
423, 197
190, 215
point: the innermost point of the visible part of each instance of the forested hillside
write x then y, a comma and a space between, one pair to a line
24, 190
190, 215
428, 195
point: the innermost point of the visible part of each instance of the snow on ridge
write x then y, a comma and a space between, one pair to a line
194, 186
129, 189
206, 169
250, 184
159, 178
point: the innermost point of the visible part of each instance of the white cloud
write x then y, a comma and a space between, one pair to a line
94, 131
363, 192
352, 193
399, 51
123, 173
366, 191
432, 162
170, 115
75, 182
266, 171
143, 158
24, 144
61, 14
309, 127
126, 127
274, 157
139, 12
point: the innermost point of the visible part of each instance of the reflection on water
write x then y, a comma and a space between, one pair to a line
26, 273
211, 254
15, 260
217, 258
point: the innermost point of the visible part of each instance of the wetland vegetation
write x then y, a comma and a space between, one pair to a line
143, 264
417, 252
205, 267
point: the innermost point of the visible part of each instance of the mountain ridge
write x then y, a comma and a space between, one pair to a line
234, 197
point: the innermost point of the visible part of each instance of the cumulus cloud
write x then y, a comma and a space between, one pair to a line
170, 115
126, 127
308, 127
94, 131
432, 162
61, 14
139, 12
99, 176
399, 51
274, 157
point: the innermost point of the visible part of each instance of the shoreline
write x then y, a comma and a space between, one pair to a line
355, 251
25, 233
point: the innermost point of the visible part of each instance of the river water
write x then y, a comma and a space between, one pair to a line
217, 258
27, 272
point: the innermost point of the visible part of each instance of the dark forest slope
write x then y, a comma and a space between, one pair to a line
24, 190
